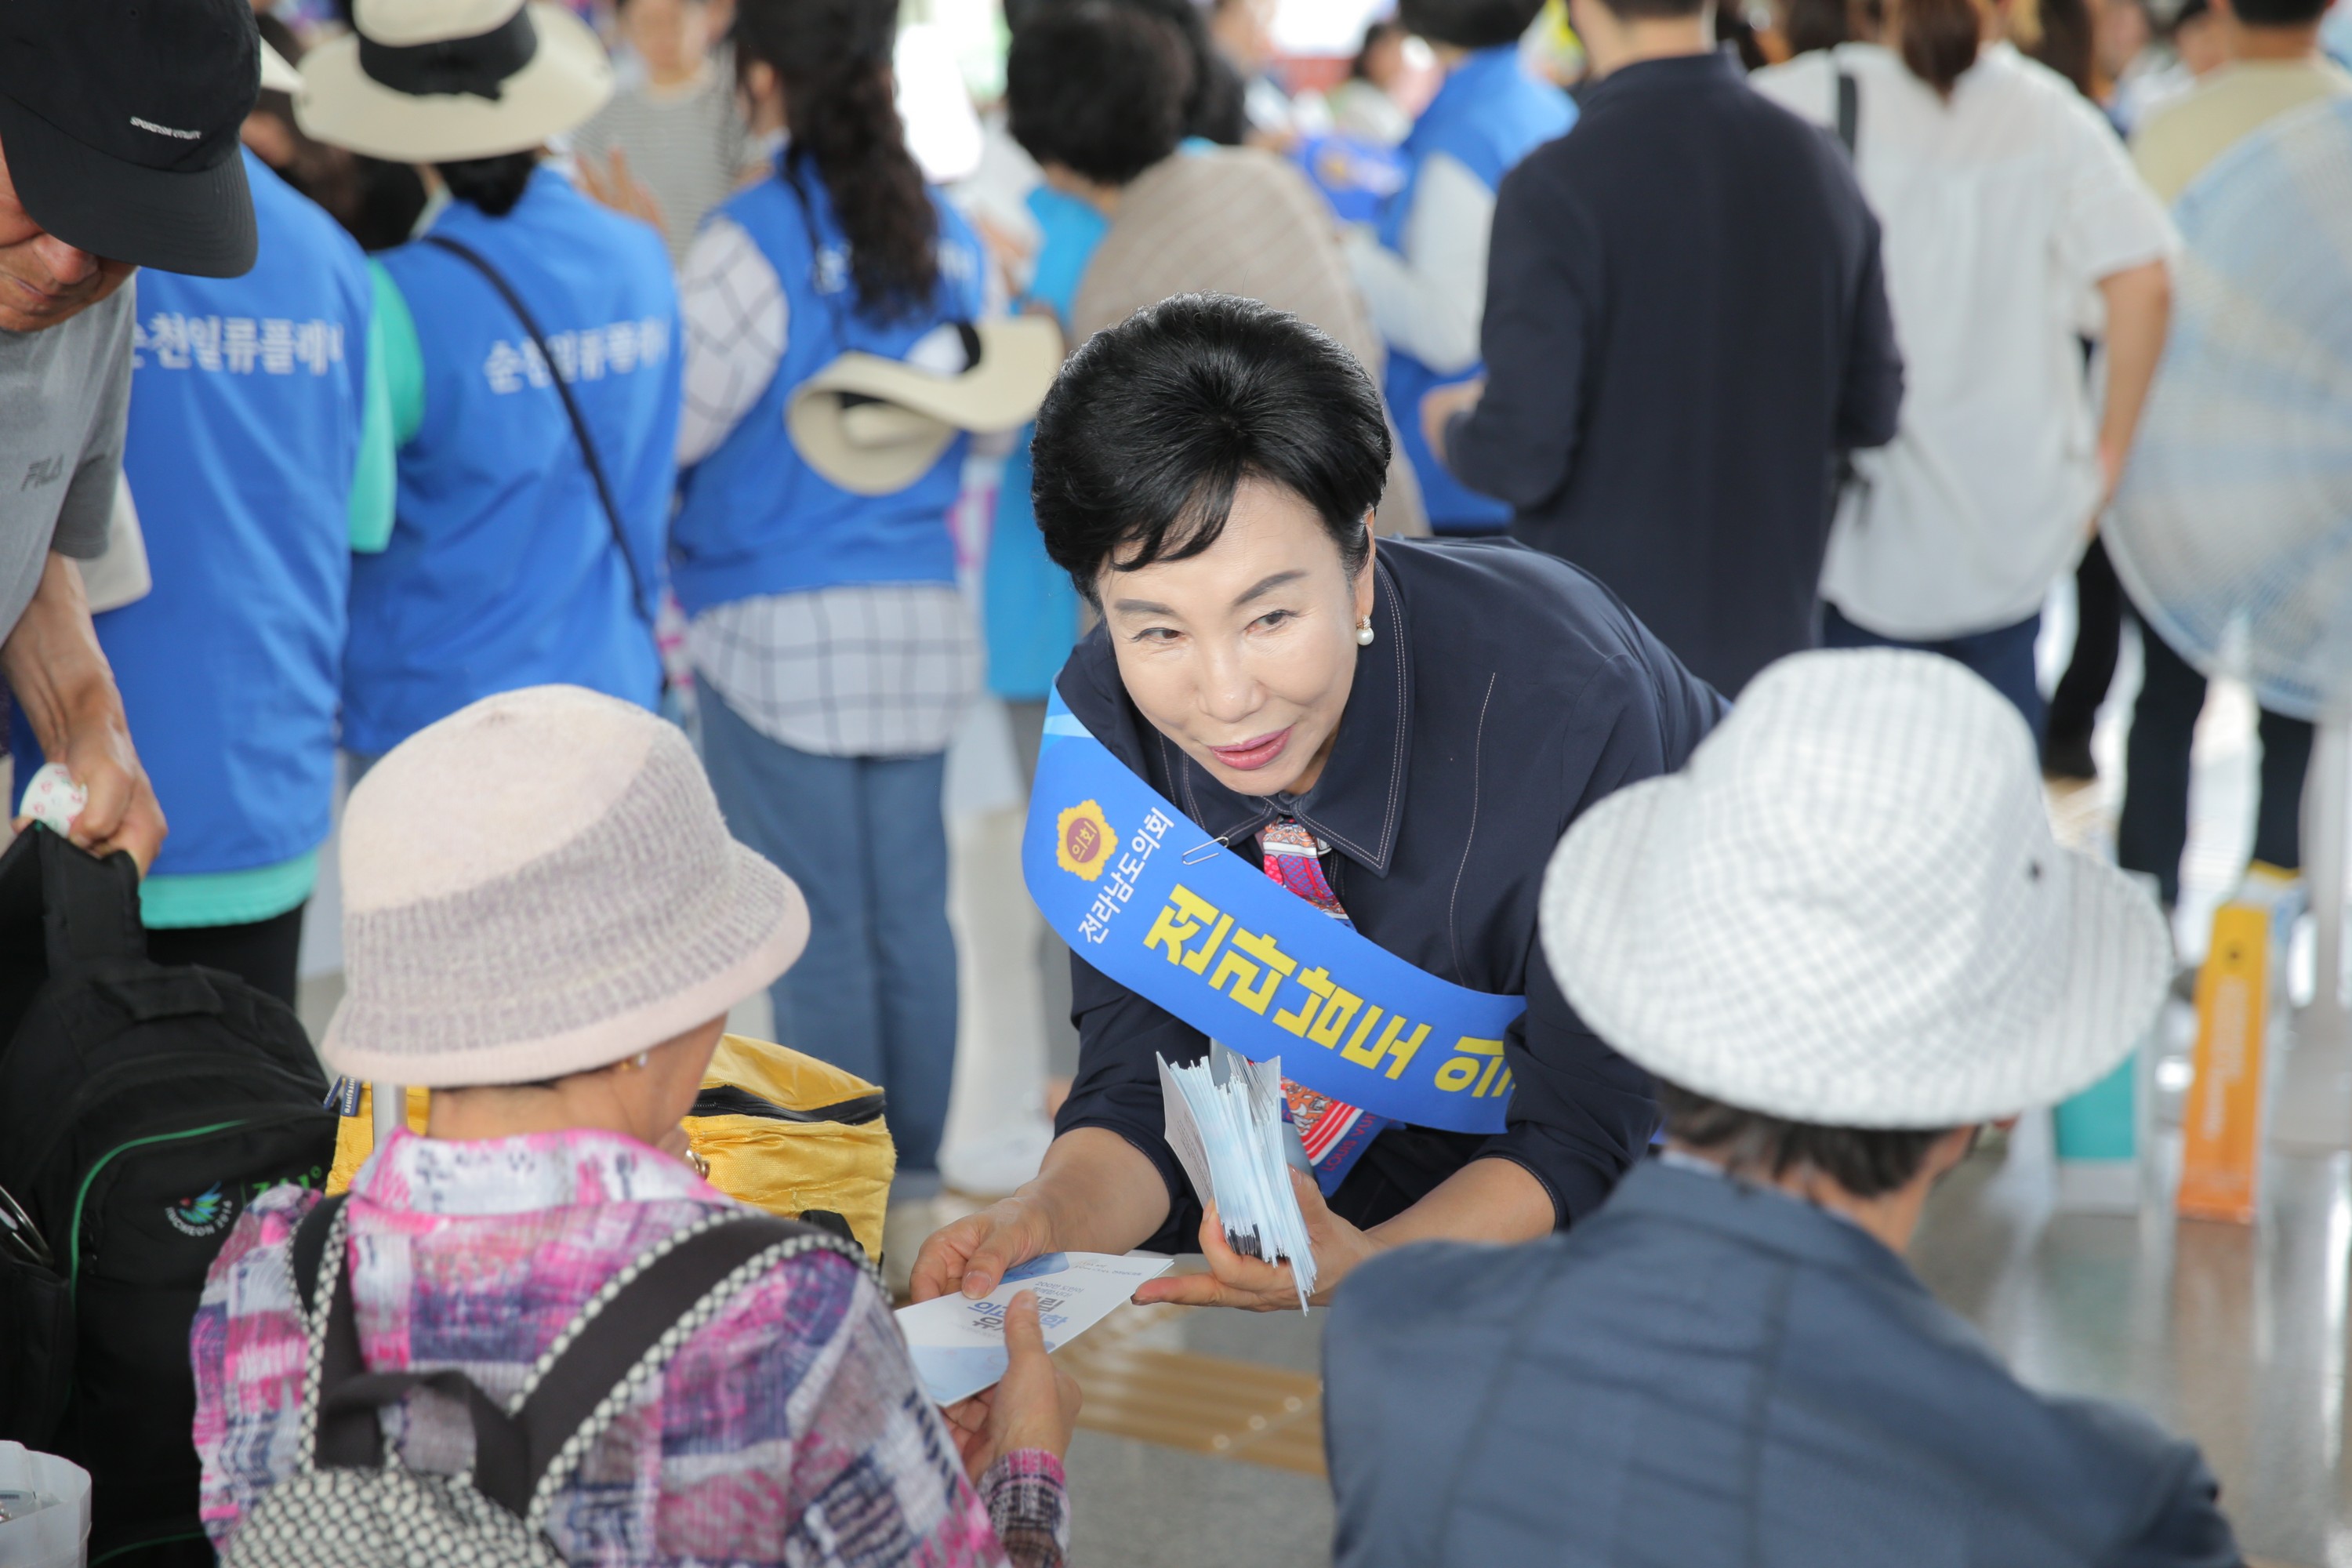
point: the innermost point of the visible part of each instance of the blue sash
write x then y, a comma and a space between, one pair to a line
1144, 895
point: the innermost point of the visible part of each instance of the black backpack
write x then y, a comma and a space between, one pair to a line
142, 1109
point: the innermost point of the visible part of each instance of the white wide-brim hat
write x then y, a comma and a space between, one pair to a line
540, 884
1847, 910
874, 425
434, 81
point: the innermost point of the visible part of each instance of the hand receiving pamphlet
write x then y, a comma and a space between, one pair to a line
1227, 1122
958, 1346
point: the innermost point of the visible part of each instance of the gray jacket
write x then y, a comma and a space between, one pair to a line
1706, 1373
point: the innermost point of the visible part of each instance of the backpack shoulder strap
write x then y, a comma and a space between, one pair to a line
602, 1351
90, 907
309, 1247
652, 1304
1849, 112
506, 290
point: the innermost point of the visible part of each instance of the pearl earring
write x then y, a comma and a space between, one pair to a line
1364, 632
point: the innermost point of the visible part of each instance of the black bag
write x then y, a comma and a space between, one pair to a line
142, 1109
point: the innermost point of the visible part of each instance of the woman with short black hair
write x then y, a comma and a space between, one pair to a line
1397, 737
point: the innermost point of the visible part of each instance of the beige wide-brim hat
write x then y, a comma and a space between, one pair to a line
540, 884
277, 73
372, 90
874, 425
1847, 910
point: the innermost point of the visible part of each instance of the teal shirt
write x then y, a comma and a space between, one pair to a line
265, 892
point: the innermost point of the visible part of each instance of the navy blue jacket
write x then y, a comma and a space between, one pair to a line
1503, 693
1686, 323
1707, 1374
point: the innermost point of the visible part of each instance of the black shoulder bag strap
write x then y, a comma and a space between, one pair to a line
90, 906
480, 263
512, 1454
1849, 134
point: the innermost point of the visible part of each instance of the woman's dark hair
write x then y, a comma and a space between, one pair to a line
2280, 13
834, 60
1098, 87
1154, 423
493, 184
1212, 105
377, 201
1378, 33
1212, 102
2062, 41
1811, 24
1865, 1161
1469, 24
1937, 39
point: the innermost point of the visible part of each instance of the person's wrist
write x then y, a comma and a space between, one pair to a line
1034, 1210
92, 705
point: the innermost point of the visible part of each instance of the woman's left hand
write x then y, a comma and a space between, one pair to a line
1234, 1280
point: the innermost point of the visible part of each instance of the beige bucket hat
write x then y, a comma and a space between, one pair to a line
1847, 910
432, 82
277, 73
540, 884
874, 425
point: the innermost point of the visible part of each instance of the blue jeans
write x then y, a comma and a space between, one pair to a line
865, 837
2004, 657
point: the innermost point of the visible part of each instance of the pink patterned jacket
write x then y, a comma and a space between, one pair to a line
790, 1430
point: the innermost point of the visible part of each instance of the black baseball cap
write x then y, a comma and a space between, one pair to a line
120, 122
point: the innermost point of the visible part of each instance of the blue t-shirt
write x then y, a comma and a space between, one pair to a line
1491, 113
1030, 607
502, 571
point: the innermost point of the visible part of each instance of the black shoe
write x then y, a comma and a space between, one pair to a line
2069, 758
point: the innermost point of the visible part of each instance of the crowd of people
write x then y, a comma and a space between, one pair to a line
1574, 503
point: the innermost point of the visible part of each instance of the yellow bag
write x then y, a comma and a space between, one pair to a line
780, 1130
796, 1136
356, 1137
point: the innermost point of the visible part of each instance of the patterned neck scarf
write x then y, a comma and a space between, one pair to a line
1335, 1135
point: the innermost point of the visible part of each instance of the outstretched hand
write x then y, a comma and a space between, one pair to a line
1257, 1286
972, 1254
1034, 1406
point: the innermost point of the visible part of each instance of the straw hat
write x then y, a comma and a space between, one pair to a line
1847, 910
540, 884
874, 425
434, 81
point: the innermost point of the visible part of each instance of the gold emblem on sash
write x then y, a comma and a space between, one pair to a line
1084, 840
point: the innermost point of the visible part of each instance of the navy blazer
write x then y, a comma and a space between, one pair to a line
1709, 1373
1503, 693
1686, 323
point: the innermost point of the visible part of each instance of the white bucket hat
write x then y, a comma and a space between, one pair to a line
434, 81
1848, 911
540, 884
874, 425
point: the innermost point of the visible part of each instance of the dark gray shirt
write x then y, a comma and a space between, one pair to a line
1686, 323
1708, 1372
65, 394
